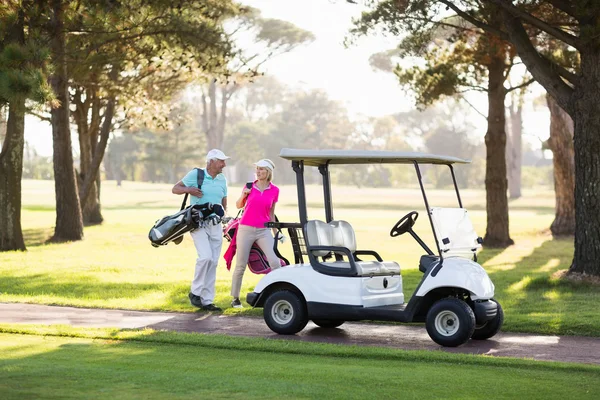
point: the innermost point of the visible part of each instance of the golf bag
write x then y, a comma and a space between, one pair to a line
171, 228
257, 259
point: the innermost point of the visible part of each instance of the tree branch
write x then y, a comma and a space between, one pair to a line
538, 23
564, 6
538, 67
475, 21
473, 107
572, 78
522, 85
40, 116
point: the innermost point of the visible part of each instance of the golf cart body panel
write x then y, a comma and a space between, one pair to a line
351, 291
460, 273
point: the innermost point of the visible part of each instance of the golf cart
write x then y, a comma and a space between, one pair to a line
333, 284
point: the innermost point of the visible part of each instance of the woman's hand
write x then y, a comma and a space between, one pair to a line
246, 191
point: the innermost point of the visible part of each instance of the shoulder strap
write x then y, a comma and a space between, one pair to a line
200, 177
199, 182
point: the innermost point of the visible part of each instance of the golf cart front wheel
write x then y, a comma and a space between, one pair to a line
285, 312
328, 323
490, 328
450, 322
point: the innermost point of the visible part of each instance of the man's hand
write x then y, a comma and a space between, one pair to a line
194, 191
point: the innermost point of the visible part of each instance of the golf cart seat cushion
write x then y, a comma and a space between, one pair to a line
369, 268
341, 234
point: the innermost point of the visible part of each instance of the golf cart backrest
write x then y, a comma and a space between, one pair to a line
338, 237
454, 232
336, 234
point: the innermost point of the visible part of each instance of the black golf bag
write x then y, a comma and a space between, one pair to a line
171, 228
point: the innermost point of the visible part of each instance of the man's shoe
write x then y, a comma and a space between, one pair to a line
211, 307
236, 303
195, 300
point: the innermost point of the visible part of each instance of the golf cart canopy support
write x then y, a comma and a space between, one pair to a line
323, 158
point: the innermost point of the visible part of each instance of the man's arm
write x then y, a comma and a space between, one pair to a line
180, 188
224, 203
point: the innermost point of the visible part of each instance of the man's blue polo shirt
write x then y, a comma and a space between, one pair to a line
213, 190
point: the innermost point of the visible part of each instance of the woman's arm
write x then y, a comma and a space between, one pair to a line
241, 202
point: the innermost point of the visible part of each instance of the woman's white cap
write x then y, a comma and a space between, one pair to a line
265, 163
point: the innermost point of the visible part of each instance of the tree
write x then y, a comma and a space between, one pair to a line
561, 144
528, 25
457, 58
514, 144
22, 77
129, 60
69, 222
269, 38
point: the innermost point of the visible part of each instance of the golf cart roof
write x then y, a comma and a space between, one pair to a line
320, 157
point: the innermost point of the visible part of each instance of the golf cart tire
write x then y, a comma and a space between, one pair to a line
490, 328
328, 323
450, 322
285, 312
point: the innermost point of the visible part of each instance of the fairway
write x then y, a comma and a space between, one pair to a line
153, 365
116, 267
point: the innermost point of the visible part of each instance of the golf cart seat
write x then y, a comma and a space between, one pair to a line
338, 237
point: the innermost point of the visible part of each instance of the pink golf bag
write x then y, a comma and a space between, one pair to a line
257, 260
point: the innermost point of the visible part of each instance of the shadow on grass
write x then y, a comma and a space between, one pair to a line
166, 365
534, 301
84, 288
37, 237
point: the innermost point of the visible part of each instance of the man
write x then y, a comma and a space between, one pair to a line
208, 238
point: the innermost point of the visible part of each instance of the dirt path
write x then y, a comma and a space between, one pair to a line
538, 347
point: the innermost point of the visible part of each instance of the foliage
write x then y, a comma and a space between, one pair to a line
23, 60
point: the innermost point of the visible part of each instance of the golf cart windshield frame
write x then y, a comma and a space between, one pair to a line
322, 160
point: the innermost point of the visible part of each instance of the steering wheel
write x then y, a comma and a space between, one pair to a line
404, 224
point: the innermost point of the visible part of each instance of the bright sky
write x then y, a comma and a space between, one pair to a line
343, 72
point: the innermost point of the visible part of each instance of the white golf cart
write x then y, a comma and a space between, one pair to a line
454, 297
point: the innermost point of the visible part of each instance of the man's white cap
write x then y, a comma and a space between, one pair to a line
216, 153
265, 163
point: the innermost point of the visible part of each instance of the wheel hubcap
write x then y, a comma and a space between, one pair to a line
446, 323
282, 312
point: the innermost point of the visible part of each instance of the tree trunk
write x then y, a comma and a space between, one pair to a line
496, 184
514, 148
561, 144
88, 136
69, 223
213, 121
586, 109
11, 170
2, 125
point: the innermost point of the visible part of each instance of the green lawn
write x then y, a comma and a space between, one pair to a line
116, 267
67, 363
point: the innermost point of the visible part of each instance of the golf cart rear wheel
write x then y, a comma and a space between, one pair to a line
328, 323
450, 322
285, 312
490, 328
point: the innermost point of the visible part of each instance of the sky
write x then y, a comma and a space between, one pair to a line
343, 72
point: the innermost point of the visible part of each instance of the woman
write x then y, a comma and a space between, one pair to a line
259, 201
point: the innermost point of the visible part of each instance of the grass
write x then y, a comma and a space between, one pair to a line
64, 363
115, 266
